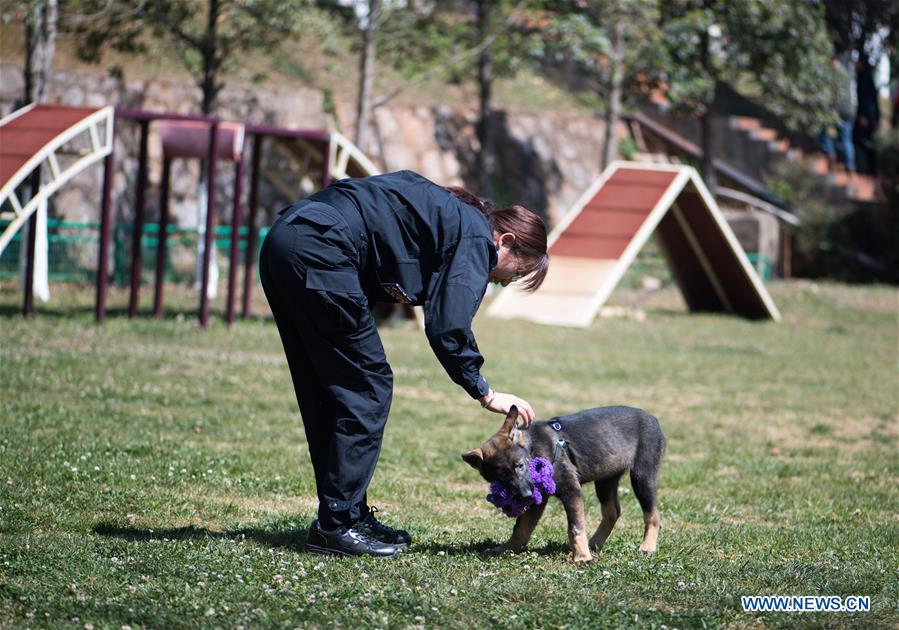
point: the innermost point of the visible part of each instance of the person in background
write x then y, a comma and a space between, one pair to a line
867, 117
844, 112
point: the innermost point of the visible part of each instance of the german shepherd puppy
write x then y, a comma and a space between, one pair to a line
595, 445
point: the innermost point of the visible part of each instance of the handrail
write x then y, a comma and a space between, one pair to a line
736, 195
683, 145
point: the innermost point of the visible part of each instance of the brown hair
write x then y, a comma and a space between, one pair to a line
528, 228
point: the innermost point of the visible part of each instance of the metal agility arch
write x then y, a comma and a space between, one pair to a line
34, 142
48, 145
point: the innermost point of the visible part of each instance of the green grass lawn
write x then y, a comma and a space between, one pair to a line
155, 475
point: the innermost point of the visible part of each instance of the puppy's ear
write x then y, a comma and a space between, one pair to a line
474, 458
509, 423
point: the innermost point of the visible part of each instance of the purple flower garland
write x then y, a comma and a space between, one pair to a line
505, 498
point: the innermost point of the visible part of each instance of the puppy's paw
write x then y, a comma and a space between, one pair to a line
584, 559
647, 549
498, 550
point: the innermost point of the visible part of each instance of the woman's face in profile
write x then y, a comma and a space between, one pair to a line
508, 266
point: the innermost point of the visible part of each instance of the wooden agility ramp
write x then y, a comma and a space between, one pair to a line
47, 145
599, 238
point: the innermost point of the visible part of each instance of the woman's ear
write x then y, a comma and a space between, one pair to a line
507, 239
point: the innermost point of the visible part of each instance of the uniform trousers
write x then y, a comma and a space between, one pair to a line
310, 266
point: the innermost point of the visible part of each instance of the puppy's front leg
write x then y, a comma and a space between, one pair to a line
521, 533
524, 527
577, 533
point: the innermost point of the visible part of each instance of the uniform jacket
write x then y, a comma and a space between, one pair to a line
424, 247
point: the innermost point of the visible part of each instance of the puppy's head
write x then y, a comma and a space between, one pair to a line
503, 458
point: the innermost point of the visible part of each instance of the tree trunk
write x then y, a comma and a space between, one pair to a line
210, 59
484, 164
707, 165
613, 110
707, 123
40, 46
367, 75
708, 158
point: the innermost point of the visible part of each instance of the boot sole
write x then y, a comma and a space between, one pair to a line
327, 551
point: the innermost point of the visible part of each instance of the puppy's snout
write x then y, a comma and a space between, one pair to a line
527, 493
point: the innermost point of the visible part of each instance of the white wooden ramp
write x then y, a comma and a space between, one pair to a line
599, 238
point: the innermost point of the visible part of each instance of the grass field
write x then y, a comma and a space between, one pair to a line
154, 475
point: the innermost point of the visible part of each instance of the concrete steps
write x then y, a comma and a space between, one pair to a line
854, 186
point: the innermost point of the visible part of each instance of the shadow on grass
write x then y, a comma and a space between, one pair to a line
293, 539
484, 547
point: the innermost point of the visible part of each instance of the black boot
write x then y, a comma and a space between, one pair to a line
347, 541
379, 531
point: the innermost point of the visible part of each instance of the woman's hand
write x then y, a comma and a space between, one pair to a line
498, 402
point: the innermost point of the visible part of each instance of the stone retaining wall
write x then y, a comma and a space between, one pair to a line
545, 160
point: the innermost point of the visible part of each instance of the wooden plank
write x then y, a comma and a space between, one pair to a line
576, 274
645, 176
740, 292
608, 222
547, 308
601, 249
564, 298
636, 196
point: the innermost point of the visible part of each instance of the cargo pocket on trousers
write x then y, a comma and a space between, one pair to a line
341, 304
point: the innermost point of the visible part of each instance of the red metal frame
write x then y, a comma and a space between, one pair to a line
144, 118
139, 203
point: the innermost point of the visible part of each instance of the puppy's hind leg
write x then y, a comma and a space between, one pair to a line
645, 484
607, 493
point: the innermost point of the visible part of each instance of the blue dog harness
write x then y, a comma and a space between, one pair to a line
561, 444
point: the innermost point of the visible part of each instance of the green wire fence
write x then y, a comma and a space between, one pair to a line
73, 246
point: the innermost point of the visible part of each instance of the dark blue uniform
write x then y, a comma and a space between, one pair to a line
396, 237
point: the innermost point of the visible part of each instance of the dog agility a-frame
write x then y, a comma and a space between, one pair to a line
598, 239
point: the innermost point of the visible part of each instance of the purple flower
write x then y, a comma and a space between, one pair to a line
512, 505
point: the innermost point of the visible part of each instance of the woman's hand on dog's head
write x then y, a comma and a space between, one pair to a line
502, 403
